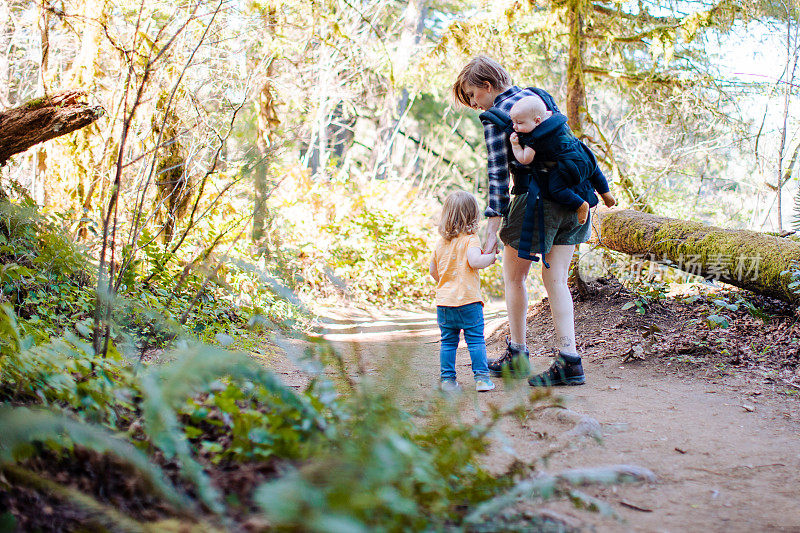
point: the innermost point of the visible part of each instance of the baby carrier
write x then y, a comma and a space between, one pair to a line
553, 142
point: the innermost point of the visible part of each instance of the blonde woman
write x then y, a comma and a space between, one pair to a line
459, 305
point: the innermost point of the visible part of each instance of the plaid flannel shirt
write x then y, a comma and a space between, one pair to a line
499, 155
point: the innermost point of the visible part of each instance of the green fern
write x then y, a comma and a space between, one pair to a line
550, 486
103, 389
167, 387
22, 426
195, 369
63, 371
383, 471
11, 339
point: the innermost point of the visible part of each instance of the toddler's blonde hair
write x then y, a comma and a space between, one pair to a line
459, 215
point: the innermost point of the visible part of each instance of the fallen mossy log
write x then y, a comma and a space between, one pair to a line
42, 119
743, 258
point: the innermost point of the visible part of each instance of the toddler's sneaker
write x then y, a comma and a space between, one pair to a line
449, 385
483, 384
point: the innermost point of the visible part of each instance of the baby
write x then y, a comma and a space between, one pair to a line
538, 131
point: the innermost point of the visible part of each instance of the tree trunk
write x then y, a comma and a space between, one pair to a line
172, 179
43, 119
268, 122
746, 259
576, 91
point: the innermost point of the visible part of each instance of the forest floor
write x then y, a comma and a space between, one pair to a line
713, 413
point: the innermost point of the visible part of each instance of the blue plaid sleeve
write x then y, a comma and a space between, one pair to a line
497, 157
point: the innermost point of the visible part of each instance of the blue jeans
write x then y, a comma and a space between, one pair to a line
452, 321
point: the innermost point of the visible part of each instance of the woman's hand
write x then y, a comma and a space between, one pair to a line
490, 243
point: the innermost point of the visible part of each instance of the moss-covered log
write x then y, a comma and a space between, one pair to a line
43, 119
743, 258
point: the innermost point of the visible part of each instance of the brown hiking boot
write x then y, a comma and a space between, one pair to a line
565, 370
515, 362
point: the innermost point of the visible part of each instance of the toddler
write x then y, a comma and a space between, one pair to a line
459, 305
537, 130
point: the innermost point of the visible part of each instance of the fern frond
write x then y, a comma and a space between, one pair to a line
63, 370
796, 211
165, 388
11, 341
547, 486
162, 426
195, 370
21, 426
584, 501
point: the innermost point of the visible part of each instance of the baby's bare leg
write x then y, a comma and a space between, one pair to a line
583, 213
608, 199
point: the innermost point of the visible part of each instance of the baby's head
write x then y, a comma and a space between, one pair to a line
527, 113
459, 215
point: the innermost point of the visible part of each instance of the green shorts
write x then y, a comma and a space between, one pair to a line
560, 225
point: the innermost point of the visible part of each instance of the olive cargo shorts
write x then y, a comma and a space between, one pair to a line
560, 225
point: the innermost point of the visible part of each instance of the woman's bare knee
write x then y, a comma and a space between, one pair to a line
515, 270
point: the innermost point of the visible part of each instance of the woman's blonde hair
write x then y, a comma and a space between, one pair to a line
477, 73
459, 215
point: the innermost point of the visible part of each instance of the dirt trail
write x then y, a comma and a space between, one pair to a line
725, 449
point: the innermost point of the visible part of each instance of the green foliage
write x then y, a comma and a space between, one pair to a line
383, 472
42, 273
379, 256
793, 274
721, 304
647, 293
386, 472
228, 424
63, 371
108, 390
796, 211
369, 241
166, 388
718, 321
37, 241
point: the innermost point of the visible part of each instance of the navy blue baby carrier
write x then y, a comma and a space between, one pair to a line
574, 165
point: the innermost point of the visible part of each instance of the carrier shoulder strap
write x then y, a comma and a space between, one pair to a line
498, 117
534, 208
548, 100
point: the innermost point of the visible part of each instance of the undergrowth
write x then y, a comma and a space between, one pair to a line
188, 426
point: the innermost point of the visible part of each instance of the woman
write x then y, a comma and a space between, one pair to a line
482, 84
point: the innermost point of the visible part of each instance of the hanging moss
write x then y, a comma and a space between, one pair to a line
743, 258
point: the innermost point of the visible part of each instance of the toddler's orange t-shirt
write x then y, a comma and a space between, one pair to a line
459, 283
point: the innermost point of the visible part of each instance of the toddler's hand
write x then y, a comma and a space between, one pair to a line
514, 138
